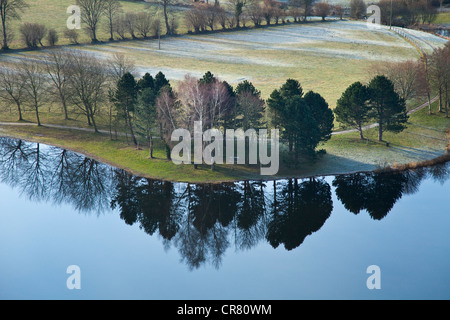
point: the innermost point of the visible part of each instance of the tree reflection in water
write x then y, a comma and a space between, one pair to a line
202, 221
302, 209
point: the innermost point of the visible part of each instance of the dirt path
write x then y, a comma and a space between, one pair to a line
56, 126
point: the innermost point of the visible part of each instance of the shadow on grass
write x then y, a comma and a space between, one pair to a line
327, 164
416, 153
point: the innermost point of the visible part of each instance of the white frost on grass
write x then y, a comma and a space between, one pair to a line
345, 40
193, 49
228, 47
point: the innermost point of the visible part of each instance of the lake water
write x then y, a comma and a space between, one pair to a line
135, 238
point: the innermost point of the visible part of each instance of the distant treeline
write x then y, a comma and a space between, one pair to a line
199, 17
401, 13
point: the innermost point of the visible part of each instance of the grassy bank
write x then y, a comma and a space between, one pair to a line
425, 139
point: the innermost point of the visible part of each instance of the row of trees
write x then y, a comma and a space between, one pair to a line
383, 99
93, 13
422, 78
66, 78
399, 12
204, 15
132, 25
304, 120
201, 16
377, 101
159, 109
149, 106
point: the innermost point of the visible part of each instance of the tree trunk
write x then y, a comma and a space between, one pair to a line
446, 100
94, 34
88, 118
361, 132
440, 99
36, 108
110, 122
380, 131
168, 152
166, 18
429, 103
151, 146
5, 39
111, 29
19, 110
130, 125
94, 124
64, 104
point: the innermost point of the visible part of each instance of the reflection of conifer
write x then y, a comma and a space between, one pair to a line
304, 209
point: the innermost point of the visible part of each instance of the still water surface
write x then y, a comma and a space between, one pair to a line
136, 238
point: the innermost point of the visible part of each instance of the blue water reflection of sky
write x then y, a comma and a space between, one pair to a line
411, 245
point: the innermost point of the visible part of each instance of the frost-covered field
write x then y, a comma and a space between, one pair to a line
325, 57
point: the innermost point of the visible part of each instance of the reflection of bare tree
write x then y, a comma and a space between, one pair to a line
62, 174
90, 185
413, 180
13, 155
50, 174
83, 182
34, 180
202, 221
25, 166
440, 172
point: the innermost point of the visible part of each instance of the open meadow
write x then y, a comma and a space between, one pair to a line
325, 57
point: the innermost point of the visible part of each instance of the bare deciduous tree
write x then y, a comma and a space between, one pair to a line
32, 34
11, 87
168, 112
112, 11
71, 35
358, 9
193, 97
255, 13
87, 83
307, 8
34, 85
130, 23
195, 18
120, 27
144, 23
10, 10
167, 16
119, 64
424, 81
222, 17
339, 11
322, 9
52, 37
238, 7
91, 13
57, 67
403, 75
440, 75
